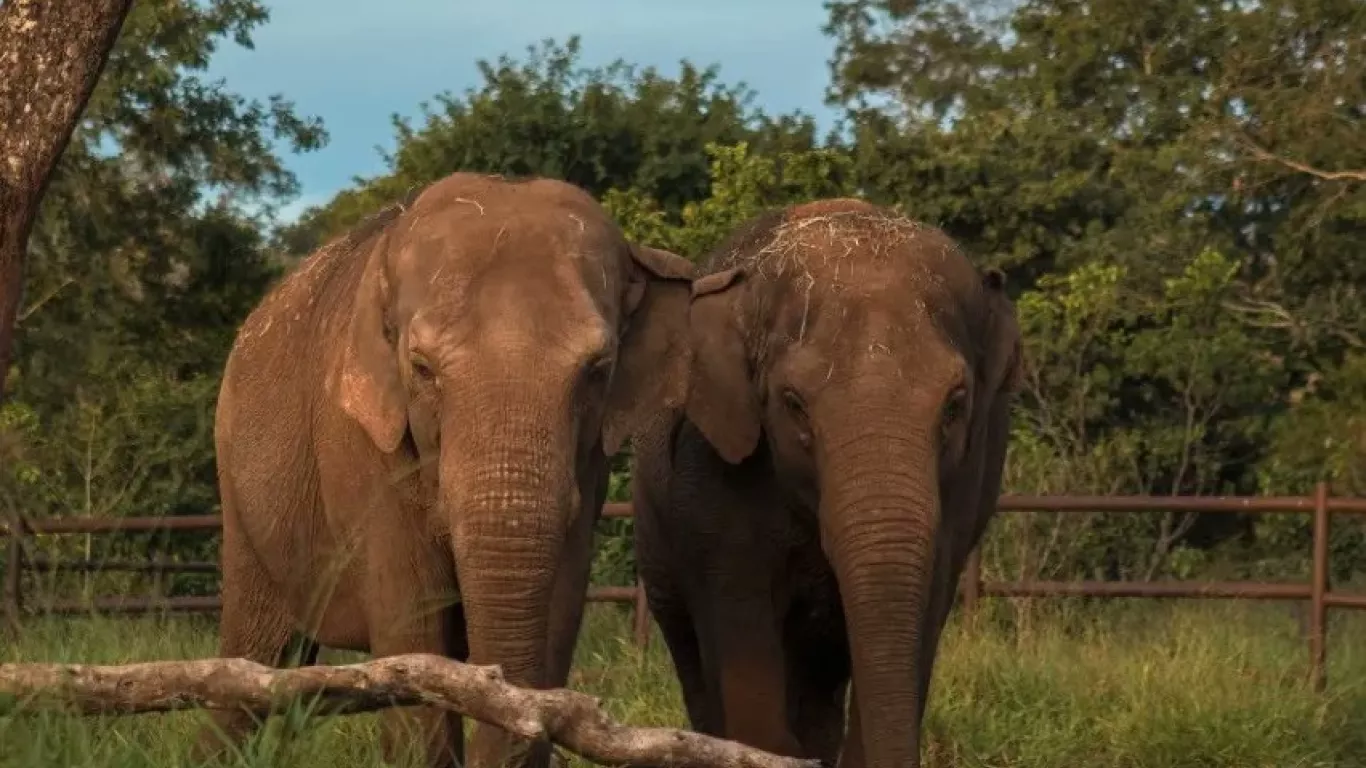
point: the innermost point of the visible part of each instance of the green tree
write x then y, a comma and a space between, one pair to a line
743, 184
40, 105
148, 252
1145, 132
1130, 392
602, 128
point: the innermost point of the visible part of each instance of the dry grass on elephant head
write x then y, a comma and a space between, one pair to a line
845, 250
822, 239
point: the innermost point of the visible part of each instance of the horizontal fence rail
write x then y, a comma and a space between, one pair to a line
972, 587
17, 564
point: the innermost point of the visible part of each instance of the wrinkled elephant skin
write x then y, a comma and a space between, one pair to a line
802, 521
412, 435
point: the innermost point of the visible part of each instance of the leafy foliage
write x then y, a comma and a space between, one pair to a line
606, 128
743, 185
149, 249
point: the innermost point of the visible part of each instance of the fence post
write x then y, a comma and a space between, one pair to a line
1318, 609
970, 585
14, 571
641, 616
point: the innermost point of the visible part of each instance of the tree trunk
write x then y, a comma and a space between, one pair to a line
51, 55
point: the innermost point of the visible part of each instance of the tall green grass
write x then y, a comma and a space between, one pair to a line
1122, 685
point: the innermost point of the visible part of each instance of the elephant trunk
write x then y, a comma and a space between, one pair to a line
508, 509
508, 539
879, 519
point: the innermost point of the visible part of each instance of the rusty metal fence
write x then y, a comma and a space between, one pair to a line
13, 605
1316, 591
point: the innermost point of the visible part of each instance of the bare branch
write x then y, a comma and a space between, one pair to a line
1258, 313
49, 296
1261, 154
571, 719
1281, 317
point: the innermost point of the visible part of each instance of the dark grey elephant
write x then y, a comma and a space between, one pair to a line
801, 525
423, 409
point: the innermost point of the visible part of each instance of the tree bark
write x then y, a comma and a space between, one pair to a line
51, 56
569, 718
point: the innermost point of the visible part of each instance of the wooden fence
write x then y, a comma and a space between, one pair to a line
1316, 591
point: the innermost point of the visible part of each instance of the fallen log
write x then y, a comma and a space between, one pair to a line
571, 719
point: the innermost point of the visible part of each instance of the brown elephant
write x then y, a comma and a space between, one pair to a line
804, 518
413, 431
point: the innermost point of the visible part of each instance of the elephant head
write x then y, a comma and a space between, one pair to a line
873, 364
505, 335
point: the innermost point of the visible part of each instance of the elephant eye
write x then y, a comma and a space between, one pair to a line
797, 407
598, 368
422, 368
954, 407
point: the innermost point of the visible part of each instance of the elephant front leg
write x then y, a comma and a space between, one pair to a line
410, 609
254, 625
752, 673
681, 637
818, 680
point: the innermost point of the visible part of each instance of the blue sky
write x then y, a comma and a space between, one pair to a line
355, 63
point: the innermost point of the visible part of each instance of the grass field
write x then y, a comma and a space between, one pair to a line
1132, 685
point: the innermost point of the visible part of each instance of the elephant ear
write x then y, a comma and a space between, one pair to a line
1004, 360
652, 359
722, 401
368, 387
